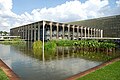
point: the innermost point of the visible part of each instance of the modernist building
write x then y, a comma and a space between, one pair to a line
54, 30
110, 25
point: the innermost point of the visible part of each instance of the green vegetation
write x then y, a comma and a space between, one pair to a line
37, 48
15, 42
50, 45
83, 48
3, 33
49, 48
3, 75
37, 45
85, 43
110, 72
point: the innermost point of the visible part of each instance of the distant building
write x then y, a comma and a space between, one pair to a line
110, 25
54, 31
2, 38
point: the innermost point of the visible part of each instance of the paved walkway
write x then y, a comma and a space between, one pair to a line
11, 75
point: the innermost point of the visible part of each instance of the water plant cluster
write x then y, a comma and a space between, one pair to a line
85, 43
51, 45
48, 46
88, 45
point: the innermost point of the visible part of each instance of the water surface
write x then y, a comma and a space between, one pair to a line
64, 64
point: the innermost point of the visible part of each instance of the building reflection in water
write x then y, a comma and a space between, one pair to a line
69, 52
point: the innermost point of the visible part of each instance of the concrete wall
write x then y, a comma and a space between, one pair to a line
110, 25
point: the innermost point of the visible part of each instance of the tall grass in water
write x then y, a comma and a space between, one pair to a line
49, 48
37, 48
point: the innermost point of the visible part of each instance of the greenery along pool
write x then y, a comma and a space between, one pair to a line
89, 49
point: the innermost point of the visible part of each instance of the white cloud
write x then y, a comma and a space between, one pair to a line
118, 3
5, 4
8, 19
69, 11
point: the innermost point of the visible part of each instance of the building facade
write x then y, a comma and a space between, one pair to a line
54, 31
110, 25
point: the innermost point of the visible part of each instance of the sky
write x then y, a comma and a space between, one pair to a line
14, 13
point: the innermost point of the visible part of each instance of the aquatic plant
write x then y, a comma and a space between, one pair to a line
85, 43
49, 47
37, 47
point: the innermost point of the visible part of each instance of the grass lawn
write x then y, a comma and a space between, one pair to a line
3, 75
110, 72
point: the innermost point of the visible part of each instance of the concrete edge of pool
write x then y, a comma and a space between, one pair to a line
79, 75
10, 74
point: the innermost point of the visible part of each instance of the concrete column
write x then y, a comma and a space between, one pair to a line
91, 32
35, 32
18, 32
77, 32
23, 33
43, 40
28, 33
94, 32
57, 31
63, 33
38, 30
73, 31
97, 32
101, 33
88, 32
50, 30
81, 32
31, 32
68, 31
85, 31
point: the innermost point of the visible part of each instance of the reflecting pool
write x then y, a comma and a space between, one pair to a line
61, 64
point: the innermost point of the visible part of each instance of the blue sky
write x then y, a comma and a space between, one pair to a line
21, 6
28, 5
14, 13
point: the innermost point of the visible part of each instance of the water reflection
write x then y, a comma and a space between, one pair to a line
71, 52
60, 64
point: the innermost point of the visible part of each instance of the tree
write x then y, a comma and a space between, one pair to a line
5, 33
1, 33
